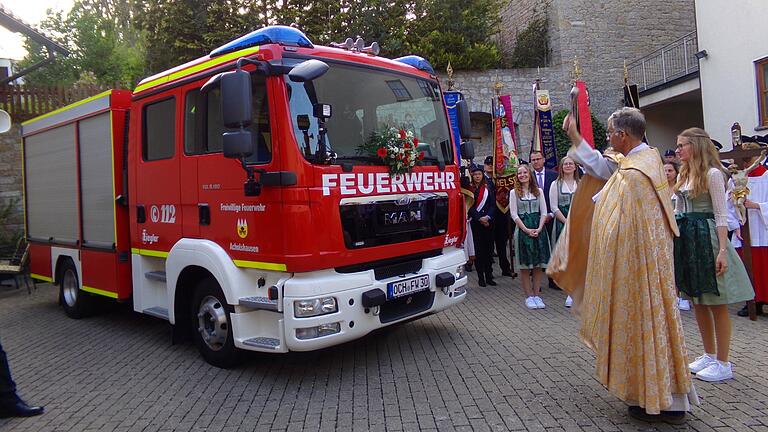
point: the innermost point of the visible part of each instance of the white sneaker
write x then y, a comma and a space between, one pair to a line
683, 304
701, 363
568, 302
539, 302
717, 371
530, 303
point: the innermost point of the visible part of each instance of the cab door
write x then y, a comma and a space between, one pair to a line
247, 227
156, 213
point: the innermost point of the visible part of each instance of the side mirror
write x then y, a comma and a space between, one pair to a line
5, 122
237, 144
236, 103
467, 150
465, 125
308, 71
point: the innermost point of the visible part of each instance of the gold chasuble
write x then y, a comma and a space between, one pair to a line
629, 314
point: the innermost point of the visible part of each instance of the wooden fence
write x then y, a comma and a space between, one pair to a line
26, 102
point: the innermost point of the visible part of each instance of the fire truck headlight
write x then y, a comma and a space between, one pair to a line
314, 307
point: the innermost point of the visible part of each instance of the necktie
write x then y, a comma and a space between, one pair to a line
541, 179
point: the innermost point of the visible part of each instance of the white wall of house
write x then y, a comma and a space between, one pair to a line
734, 36
9, 68
666, 119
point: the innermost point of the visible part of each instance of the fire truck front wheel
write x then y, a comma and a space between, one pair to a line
211, 325
76, 303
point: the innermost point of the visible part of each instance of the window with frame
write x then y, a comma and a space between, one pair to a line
203, 125
762, 88
159, 130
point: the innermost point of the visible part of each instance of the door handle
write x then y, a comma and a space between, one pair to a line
141, 214
204, 213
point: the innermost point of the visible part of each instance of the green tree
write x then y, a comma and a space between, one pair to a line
562, 141
439, 30
458, 31
102, 42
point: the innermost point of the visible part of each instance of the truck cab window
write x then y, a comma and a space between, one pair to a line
203, 126
159, 138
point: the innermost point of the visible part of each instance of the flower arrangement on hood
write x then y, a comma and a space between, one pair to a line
398, 148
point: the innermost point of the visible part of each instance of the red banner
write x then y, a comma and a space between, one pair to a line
585, 117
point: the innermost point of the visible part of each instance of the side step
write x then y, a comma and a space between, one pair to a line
263, 342
156, 276
157, 312
258, 303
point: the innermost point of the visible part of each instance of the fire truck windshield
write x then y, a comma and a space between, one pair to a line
365, 101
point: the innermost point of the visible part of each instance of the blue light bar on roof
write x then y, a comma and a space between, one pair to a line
282, 35
419, 63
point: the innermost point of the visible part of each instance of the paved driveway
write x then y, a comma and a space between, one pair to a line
488, 364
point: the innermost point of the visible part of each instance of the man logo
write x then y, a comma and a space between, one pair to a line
404, 200
242, 228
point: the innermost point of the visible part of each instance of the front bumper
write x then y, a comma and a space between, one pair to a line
354, 320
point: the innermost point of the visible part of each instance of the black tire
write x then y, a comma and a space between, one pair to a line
76, 302
211, 329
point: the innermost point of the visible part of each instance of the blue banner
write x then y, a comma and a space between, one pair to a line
451, 98
546, 131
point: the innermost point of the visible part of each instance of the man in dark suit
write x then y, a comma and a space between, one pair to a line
11, 404
544, 178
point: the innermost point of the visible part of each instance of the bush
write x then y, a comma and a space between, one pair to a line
561, 139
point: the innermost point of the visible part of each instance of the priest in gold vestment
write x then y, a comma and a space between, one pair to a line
628, 301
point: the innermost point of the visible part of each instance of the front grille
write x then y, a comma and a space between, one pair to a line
404, 307
391, 267
390, 221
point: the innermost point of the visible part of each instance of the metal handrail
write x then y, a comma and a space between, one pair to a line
665, 64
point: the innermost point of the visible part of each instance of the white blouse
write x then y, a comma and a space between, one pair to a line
717, 192
527, 196
554, 195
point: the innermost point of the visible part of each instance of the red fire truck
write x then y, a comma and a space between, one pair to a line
230, 196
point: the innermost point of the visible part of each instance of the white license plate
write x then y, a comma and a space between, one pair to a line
407, 286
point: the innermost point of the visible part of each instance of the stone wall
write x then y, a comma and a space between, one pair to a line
603, 34
478, 90
514, 18
11, 177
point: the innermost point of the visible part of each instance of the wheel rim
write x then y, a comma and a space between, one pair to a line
69, 287
212, 323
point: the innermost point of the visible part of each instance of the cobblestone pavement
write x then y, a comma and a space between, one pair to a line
488, 364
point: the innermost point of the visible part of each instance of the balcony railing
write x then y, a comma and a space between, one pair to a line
676, 60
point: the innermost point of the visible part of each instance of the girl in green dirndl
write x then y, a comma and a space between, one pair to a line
708, 271
528, 209
560, 194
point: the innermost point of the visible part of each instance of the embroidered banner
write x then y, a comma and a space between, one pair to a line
505, 150
545, 132
451, 98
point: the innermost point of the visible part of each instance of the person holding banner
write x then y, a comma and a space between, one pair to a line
628, 310
560, 195
529, 213
481, 215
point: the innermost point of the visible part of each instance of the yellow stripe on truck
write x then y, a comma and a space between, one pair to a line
41, 277
100, 292
149, 252
195, 69
70, 106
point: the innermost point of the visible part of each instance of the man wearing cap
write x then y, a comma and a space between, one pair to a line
481, 215
500, 225
670, 157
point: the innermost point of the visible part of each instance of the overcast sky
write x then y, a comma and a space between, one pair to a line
31, 12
